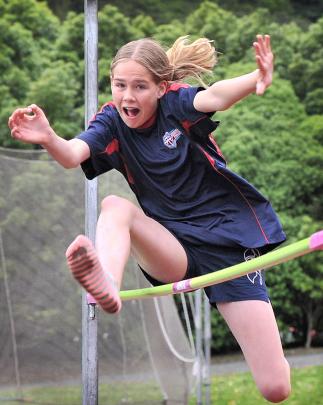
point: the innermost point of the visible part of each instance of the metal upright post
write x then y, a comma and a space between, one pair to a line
207, 350
89, 318
199, 344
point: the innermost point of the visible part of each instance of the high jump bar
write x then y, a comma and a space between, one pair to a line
275, 257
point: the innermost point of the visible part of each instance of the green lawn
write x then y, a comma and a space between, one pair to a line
235, 389
239, 389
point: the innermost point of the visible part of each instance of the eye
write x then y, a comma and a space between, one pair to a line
141, 87
119, 85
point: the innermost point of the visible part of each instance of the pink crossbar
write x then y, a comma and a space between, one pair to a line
316, 241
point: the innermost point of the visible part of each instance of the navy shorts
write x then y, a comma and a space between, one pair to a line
204, 259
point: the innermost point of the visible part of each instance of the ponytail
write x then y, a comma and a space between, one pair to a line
191, 59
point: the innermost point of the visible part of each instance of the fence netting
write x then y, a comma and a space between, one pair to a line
140, 351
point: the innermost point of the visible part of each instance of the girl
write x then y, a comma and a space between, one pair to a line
195, 215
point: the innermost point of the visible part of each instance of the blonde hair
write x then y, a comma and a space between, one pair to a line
183, 60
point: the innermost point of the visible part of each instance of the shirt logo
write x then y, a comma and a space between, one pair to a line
170, 138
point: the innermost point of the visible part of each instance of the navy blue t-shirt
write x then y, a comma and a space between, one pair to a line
182, 183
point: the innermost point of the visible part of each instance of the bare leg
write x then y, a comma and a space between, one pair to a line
254, 326
122, 229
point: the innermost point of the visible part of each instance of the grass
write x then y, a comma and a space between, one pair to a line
235, 389
118, 393
239, 389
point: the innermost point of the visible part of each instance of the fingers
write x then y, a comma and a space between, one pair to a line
264, 60
262, 45
18, 115
261, 65
16, 134
26, 113
263, 50
267, 43
36, 110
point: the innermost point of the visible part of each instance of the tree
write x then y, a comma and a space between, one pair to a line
213, 22
166, 34
240, 39
115, 29
58, 92
35, 17
306, 68
28, 30
70, 42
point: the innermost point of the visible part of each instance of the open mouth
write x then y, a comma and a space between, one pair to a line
131, 111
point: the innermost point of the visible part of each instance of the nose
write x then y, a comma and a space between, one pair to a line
128, 94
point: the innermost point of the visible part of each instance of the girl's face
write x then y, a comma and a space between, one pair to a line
135, 93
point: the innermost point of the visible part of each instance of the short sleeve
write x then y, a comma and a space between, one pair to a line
101, 137
178, 102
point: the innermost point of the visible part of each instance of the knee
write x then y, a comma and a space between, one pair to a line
117, 208
114, 202
276, 391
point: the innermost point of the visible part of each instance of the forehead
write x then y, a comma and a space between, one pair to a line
129, 70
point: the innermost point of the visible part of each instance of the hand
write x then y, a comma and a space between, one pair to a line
265, 62
30, 125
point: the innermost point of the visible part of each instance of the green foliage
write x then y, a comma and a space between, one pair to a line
70, 43
28, 30
145, 25
241, 37
285, 40
115, 29
306, 68
168, 33
211, 21
57, 91
35, 16
314, 101
161, 12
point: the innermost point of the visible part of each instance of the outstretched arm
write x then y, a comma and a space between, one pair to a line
30, 125
223, 94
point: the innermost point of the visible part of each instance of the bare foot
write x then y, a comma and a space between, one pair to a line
87, 270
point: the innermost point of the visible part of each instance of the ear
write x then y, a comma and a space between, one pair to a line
162, 86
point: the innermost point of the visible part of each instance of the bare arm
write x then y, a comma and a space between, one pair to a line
223, 94
30, 125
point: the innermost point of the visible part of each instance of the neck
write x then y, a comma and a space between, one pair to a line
149, 122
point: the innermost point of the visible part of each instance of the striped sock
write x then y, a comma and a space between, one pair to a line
87, 270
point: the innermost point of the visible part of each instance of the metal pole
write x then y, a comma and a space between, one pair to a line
199, 349
89, 318
11, 317
207, 350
